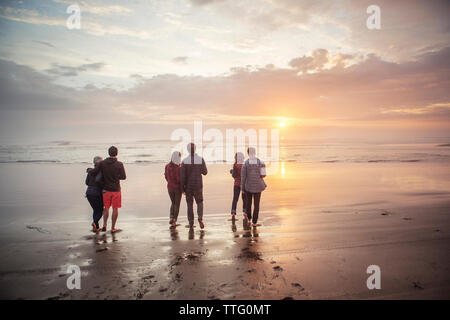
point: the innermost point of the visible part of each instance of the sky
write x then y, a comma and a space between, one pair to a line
138, 70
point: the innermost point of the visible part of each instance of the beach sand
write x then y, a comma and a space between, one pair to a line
322, 225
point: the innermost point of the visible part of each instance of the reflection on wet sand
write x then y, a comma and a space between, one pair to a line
322, 226
174, 234
191, 234
234, 228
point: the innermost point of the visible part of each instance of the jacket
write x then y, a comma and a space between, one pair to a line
94, 183
251, 172
172, 175
192, 169
236, 173
113, 171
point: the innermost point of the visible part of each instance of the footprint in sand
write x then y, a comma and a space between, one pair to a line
417, 285
297, 285
278, 268
38, 229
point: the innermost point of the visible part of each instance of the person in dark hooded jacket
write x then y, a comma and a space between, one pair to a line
94, 194
192, 169
172, 175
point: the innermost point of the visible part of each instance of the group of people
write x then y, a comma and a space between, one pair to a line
183, 177
103, 191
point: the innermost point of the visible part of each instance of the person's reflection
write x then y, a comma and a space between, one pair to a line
114, 236
174, 234
255, 232
247, 230
202, 234
100, 238
233, 226
191, 234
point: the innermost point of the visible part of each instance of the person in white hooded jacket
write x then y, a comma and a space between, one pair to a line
252, 184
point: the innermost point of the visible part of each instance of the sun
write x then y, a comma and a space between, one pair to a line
282, 124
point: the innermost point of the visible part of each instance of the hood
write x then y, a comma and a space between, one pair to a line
251, 152
239, 158
176, 159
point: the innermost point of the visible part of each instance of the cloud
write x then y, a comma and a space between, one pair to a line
23, 88
205, 2
45, 43
435, 108
314, 62
341, 60
69, 71
29, 16
180, 60
369, 92
100, 9
407, 25
92, 27
363, 90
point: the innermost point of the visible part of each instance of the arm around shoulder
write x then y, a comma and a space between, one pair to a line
95, 170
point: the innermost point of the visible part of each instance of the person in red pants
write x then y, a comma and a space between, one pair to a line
112, 171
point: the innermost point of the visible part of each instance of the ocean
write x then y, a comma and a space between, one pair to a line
158, 151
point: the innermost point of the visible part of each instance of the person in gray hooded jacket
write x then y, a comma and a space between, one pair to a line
252, 183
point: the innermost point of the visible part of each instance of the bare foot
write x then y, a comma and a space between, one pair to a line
173, 225
104, 229
200, 222
114, 230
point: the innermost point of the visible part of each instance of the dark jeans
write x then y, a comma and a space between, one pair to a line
175, 198
198, 196
257, 197
96, 202
236, 192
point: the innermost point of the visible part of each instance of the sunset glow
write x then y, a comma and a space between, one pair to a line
174, 62
263, 152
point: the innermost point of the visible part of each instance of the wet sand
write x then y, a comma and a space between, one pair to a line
321, 227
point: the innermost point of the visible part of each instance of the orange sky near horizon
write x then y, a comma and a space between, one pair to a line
144, 69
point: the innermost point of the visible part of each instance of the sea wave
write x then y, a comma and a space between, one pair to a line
161, 161
158, 151
37, 161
